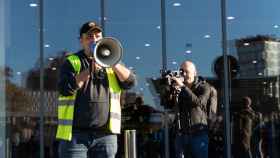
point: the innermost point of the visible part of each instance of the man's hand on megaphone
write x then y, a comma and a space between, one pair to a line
95, 66
82, 77
121, 71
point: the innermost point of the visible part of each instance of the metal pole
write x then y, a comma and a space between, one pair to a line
226, 83
102, 8
5, 148
164, 68
41, 49
130, 144
166, 134
163, 35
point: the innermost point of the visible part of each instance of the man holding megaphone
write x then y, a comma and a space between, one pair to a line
91, 81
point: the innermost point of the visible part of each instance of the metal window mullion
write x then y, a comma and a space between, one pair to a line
164, 68
41, 50
163, 35
102, 12
226, 81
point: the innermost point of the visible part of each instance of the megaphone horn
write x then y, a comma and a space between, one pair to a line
108, 52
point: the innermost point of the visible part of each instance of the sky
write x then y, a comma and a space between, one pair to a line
193, 31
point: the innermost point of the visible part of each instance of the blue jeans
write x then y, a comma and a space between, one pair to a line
86, 145
195, 146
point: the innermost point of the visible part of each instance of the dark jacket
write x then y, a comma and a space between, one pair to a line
92, 100
243, 125
192, 104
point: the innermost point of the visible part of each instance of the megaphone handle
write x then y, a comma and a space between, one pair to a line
91, 68
92, 47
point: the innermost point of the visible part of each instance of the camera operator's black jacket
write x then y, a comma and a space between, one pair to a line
192, 105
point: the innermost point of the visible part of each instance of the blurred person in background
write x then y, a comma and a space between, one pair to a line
243, 126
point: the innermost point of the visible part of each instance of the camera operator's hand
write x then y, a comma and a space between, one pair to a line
178, 82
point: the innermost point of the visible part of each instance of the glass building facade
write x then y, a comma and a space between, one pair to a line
156, 35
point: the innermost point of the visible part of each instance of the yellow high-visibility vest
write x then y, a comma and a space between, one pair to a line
66, 105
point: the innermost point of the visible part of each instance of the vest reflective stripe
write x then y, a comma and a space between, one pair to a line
66, 102
65, 122
114, 124
115, 115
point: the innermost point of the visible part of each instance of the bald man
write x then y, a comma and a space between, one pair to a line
192, 136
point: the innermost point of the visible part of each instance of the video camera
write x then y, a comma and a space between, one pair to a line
168, 91
167, 76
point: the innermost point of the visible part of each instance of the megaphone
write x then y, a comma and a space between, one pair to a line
107, 52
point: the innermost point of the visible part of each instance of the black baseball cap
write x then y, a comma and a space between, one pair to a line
89, 26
